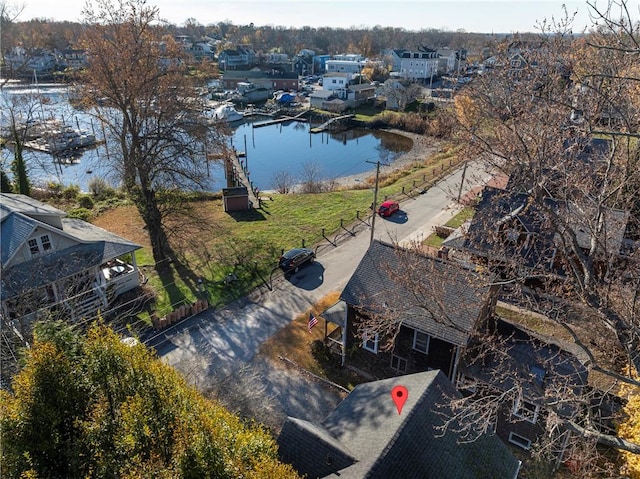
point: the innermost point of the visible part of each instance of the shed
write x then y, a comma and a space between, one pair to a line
236, 199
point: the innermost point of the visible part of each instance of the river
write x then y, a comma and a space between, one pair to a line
281, 147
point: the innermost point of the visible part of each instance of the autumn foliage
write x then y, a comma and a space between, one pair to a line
96, 407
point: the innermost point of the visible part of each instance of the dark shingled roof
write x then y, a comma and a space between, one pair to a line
540, 364
385, 444
437, 297
499, 209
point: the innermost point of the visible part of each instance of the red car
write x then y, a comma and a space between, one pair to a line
388, 208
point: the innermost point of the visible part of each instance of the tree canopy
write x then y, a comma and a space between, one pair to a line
139, 86
94, 406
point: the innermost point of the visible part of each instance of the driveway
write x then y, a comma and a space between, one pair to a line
216, 350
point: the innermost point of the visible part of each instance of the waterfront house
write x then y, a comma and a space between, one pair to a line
54, 265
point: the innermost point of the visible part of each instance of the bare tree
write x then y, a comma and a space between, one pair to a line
311, 177
138, 85
283, 182
559, 117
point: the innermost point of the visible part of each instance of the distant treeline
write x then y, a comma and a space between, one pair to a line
369, 42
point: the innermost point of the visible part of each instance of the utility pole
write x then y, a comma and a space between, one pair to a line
375, 200
464, 173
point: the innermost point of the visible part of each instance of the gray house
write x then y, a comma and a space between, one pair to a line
432, 306
366, 437
53, 264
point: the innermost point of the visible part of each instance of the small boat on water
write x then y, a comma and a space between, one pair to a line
225, 112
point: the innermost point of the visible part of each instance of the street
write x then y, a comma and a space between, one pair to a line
216, 349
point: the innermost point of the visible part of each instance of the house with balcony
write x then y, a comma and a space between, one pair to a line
58, 266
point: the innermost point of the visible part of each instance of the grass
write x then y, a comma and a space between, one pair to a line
459, 219
248, 244
435, 241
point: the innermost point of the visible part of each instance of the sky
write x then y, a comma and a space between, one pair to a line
481, 16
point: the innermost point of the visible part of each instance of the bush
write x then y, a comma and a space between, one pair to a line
85, 201
80, 213
100, 189
55, 189
71, 192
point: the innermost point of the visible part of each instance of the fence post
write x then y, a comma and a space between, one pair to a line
358, 214
303, 242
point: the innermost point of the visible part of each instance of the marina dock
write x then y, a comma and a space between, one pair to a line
283, 119
238, 175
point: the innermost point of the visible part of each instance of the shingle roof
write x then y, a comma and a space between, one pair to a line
539, 364
389, 445
499, 208
437, 297
94, 245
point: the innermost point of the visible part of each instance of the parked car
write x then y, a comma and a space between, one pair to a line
388, 208
291, 261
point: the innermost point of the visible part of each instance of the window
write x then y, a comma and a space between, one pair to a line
421, 342
46, 242
33, 246
519, 441
38, 245
526, 410
398, 363
370, 342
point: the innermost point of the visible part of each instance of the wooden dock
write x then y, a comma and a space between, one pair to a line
283, 119
241, 176
327, 123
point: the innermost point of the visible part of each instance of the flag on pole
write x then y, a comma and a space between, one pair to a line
312, 321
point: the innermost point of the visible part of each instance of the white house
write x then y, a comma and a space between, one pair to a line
336, 82
51, 263
419, 66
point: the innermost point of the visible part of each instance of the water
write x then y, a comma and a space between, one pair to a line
282, 147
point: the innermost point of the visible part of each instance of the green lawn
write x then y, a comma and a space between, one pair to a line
436, 241
248, 244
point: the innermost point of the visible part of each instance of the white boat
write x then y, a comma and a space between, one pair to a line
226, 112
60, 139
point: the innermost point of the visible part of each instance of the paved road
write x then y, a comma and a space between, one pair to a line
216, 349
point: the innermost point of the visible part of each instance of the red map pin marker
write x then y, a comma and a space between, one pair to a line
399, 394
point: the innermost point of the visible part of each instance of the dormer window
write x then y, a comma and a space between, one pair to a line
33, 247
39, 245
46, 242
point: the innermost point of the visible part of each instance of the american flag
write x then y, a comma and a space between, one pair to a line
312, 321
